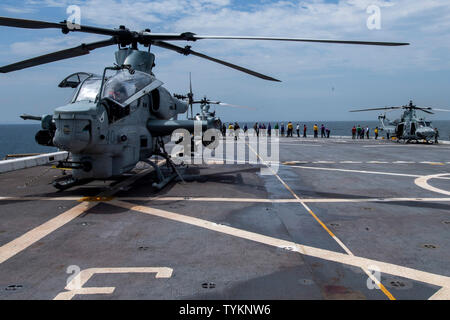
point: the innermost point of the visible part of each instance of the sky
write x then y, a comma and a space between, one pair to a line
320, 82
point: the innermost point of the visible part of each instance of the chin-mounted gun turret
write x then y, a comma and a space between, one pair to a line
45, 136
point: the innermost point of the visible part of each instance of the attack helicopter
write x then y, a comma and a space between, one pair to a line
124, 115
409, 127
205, 105
205, 114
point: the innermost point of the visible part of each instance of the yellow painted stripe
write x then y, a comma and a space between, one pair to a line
321, 223
96, 199
344, 258
341, 244
64, 169
386, 292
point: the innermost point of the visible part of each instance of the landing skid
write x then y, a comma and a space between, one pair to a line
163, 181
68, 182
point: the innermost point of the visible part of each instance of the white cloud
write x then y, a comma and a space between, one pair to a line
18, 10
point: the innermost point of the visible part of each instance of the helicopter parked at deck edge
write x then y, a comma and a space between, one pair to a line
409, 126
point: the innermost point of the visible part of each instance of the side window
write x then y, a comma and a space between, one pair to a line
155, 100
74, 80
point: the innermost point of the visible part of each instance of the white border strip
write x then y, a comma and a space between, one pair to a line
30, 162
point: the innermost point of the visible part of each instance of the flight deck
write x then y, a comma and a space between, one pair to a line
338, 219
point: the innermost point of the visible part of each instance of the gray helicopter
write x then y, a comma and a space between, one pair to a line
124, 115
205, 106
205, 114
409, 127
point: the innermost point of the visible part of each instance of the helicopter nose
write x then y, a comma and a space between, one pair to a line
72, 135
425, 133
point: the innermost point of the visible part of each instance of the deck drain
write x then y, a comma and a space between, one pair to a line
397, 284
335, 224
446, 222
14, 287
208, 285
286, 248
429, 246
143, 248
305, 282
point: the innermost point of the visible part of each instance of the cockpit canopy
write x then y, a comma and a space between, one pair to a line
119, 87
424, 124
123, 85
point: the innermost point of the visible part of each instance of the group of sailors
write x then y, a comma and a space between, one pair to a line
359, 132
280, 130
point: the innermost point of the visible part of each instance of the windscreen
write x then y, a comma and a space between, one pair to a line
89, 90
123, 85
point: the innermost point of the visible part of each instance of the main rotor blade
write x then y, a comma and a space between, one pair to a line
186, 36
189, 36
34, 24
234, 106
424, 110
376, 109
433, 109
223, 104
187, 51
443, 110
367, 43
27, 24
57, 56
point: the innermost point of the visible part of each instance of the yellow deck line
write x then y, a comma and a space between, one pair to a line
340, 243
366, 264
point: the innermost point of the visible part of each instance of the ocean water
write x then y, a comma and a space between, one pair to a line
19, 138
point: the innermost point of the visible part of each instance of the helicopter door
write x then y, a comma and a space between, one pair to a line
400, 129
413, 128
